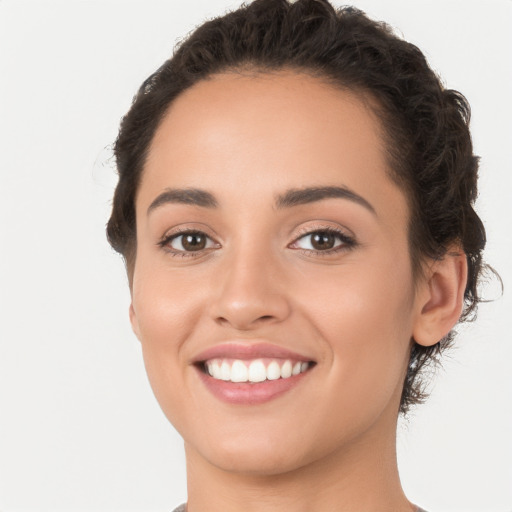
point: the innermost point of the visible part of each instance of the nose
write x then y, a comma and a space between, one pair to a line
251, 293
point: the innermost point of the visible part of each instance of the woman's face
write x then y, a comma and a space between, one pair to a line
272, 253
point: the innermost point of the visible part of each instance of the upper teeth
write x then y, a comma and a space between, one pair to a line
238, 370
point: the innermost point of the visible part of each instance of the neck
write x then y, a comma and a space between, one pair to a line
362, 477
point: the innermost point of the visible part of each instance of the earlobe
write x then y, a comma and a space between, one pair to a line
133, 321
441, 298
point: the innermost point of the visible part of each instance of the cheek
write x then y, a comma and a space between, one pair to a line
366, 293
165, 303
167, 308
364, 315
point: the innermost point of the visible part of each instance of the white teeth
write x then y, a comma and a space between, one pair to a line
239, 372
214, 370
286, 370
273, 371
225, 371
257, 371
242, 371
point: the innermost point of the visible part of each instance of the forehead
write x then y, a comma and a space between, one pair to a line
264, 133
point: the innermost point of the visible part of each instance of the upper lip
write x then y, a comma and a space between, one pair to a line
244, 350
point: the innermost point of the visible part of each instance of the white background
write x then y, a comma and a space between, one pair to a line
79, 427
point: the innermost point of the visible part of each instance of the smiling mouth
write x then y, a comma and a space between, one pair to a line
255, 370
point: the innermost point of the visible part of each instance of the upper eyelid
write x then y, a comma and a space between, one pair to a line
181, 230
300, 233
171, 236
344, 237
165, 241
307, 230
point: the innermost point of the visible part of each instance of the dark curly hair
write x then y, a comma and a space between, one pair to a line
424, 125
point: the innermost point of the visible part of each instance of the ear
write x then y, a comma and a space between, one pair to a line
133, 321
441, 297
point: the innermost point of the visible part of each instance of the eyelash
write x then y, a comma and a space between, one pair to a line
347, 242
166, 240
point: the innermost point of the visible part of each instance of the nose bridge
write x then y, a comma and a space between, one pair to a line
250, 287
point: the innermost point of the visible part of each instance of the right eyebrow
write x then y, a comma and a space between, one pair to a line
191, 196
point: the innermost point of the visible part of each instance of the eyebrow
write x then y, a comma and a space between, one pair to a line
307, 195
293, 197
193, 196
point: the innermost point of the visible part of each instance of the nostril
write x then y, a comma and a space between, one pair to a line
244, 324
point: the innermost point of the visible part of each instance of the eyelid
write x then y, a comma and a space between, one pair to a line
192, 227
347, 238
317, 227
178, 231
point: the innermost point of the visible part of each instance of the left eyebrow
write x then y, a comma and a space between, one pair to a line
307, 195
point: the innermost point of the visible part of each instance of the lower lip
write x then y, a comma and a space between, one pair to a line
247, 393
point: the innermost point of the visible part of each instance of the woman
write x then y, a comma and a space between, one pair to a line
295, 208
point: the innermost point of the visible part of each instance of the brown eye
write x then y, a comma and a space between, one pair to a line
194, 242
190, 242
321, 241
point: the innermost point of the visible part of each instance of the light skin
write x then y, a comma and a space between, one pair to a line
247, 143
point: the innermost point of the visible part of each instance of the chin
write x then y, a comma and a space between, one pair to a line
250, 455
261, 464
